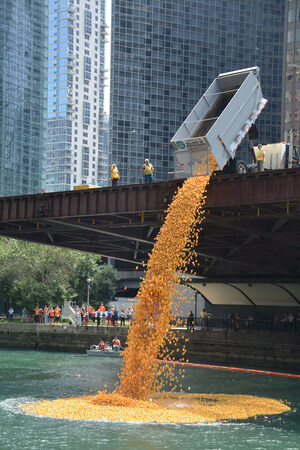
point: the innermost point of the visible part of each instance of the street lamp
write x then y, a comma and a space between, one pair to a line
88, 293
129, 155
294, 68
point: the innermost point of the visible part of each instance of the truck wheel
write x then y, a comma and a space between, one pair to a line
241, 167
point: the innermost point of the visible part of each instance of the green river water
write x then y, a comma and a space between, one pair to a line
28, 375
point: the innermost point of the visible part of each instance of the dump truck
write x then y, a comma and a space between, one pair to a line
224, 115
277, 156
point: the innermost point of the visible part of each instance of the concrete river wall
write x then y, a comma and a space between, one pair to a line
247, 348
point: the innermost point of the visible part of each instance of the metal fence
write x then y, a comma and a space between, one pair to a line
227, 324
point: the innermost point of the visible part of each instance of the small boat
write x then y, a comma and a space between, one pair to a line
107, 351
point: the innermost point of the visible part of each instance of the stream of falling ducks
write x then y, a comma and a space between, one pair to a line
150, 336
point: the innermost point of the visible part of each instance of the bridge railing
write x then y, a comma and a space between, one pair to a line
255, 324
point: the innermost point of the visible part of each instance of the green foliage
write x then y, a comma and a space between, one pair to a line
103, 285
35, 274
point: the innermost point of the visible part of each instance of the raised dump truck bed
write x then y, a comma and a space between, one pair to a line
218, 122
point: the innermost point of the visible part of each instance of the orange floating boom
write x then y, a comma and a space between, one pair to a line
234, 369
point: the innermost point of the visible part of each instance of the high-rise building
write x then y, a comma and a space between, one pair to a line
290, 127
77, 36
23, 95
165, 53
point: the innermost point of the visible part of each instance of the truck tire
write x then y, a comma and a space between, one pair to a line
241, 167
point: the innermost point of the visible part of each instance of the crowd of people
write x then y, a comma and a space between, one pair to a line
47, 315
110, 316
234, 322
284, 321
102, 316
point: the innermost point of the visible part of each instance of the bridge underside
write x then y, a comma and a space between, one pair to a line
251, 227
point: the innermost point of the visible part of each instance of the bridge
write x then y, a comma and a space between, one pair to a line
251, 227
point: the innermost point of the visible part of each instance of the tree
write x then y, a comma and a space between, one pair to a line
36, 274
103, 286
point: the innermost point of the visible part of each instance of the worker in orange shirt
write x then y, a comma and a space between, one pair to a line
57, 313
90, 311
51, 315
37, 314
102, 312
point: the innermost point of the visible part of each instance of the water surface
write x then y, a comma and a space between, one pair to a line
28, 375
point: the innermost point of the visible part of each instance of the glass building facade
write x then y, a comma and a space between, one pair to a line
291, 78
76, 77
23, 95
165, 53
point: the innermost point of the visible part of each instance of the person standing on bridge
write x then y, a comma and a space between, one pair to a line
147, 169
260, 158
114, 175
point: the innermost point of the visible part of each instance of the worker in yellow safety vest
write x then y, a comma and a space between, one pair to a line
260, 158
114, 175
147, 169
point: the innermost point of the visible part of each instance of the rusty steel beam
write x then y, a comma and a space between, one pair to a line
88, 202
122, 223
253, 188
223, 191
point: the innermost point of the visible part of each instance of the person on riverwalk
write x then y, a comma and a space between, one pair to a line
90, 310
78, 316
51, 315
102, 312
98, 315
115, 316
37, 314
147, 170
203, 317
114, 175
24, 315
41, 315
237, 325
209, 320
122, 315
10, 315
47, 315
191, 321
57, 313
109, 317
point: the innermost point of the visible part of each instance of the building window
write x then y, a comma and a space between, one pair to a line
88, 22
86, 112
87, 67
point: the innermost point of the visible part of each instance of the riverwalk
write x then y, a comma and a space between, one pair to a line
219, 346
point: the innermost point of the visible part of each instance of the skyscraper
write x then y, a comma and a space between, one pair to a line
23, 95
291, 79
165, 53
77, 33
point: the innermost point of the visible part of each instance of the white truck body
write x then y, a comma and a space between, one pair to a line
218, 123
